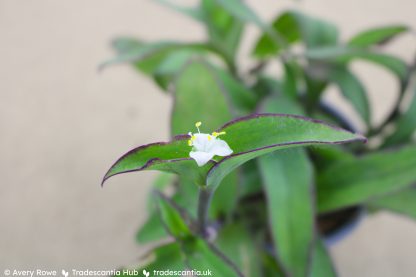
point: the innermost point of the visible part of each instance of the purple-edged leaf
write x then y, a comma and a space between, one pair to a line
248, 137
252, 136
170, 156
199, 83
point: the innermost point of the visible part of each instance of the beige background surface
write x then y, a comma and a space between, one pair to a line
62, 124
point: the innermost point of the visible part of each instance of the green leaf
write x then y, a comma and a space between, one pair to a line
174, 220
160, 60
249, 137
260, 134
160, 183
288, 181
239, 10
147, 56
170, 157
243, 100
344, 55
325, 156
193, 12
353, 90
173, 63
282, 104
151, 230
321, 262
185, 196
223, 28
203, 256
377, 35
236, 242
349, 183
401, 202
405, 126
165, 257
199, 96
225, 198
293, 26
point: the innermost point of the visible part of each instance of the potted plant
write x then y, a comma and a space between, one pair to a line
258, 177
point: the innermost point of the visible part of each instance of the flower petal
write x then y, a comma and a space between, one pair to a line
220, 148
200, 157
203, 142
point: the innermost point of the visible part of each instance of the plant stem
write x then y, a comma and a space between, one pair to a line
395, 113
204, 202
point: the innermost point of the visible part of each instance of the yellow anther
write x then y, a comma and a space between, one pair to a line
198, 124
190, 142
215, 134
193, 137
209, 137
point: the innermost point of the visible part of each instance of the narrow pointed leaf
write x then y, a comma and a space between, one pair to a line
151, 230
401, 202
260, 134
242, 98
203, 257
224, 29
322, 265
248, 137
193, 12
235, 241
170, 157
200, 84
165, 257
288, 183
240, 10
140, 53
406, 123
354, 182
173, 219
343, 55
377, 35
294, 26
353, 90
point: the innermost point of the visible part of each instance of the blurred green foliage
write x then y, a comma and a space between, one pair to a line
264, 216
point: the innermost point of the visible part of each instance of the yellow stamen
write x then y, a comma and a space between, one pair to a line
215, 134
197, 125
209, 137
190, 142
193, 137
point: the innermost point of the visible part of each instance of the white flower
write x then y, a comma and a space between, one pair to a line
206, 146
